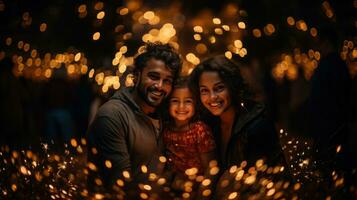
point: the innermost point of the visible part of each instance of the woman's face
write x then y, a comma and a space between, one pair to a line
214, 93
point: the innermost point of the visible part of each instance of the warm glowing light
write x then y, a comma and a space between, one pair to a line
206, 193
82, 8
198, 29
99, 5
233, 195
214, 170
74, 142
91, 73
216, 21
271, 192
124, 11
149, 15
144, 196
197, 37
162, 159
96, 36
8, 41
218, 31
228, 54
91, 166
257, 33
201, 48
250, 179
43, 27
108, 164
313, 32
241, 25
206, 182
101, 15
191, 171
70, 69
212, 39
291, 21
123, 49
122, 68
238, 44
77, 57
120, 182
144, 169
226, 27
126, 174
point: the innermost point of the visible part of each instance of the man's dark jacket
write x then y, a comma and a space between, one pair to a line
126, 137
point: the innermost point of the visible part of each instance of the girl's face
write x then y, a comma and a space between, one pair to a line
214, 93
181, 106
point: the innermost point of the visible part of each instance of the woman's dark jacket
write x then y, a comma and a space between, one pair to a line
253, 137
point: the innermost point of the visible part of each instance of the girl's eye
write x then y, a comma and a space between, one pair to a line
189, 101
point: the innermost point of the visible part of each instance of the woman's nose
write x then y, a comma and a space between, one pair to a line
213, 95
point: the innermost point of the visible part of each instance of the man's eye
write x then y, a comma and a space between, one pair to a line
168, 82
153, 77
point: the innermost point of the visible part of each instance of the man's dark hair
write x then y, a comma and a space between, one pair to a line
159, 51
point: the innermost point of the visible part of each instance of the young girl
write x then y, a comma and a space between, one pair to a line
189, 142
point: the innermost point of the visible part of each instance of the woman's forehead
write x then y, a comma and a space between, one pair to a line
210, 77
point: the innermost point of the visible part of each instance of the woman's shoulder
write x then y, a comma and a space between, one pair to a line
256, 119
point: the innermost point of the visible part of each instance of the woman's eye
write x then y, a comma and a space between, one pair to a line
220, 88
203, 91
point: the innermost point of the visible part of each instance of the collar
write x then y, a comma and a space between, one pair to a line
247, 114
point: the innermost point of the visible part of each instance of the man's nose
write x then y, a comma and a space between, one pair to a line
159, 84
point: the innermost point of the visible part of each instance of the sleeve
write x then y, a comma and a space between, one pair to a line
109, 139
264, 141
205, 140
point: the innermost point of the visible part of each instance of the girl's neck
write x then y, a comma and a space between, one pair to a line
180, 126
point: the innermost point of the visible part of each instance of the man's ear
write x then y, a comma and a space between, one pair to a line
137, 76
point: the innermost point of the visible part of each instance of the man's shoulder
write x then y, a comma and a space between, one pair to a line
113, 108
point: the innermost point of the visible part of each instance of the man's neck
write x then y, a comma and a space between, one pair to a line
142, 104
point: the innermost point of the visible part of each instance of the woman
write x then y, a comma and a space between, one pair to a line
242, 131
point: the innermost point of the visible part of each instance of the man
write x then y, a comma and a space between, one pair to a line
126, 132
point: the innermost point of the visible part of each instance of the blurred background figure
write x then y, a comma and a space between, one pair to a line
59, 123
12, 114
328, 105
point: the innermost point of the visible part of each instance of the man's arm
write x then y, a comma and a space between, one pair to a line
110, 154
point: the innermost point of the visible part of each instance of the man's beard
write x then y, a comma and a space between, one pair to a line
144, 95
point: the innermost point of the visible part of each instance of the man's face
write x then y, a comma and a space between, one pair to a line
155, 82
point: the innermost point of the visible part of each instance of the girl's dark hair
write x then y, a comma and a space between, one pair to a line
228, 71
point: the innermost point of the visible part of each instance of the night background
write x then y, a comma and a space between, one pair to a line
60, 60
